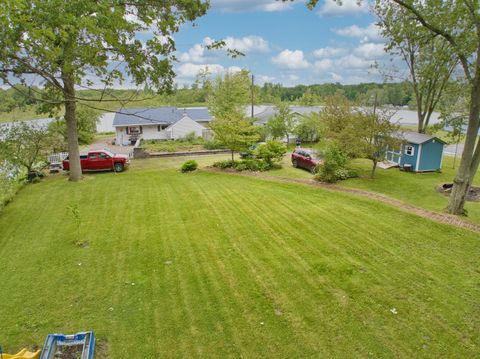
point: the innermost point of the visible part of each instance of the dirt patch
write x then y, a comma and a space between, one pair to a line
101, 349
69, 352
472, 196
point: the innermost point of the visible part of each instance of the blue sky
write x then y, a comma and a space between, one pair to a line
284, 42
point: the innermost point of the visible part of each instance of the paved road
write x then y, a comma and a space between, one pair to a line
450, 150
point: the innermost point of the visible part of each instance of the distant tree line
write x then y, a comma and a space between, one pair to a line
397, 94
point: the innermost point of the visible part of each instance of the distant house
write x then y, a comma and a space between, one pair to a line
161, 123
418, 153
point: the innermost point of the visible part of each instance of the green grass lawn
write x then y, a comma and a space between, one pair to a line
215, 265
172, 146
414, 188
418, 189
29, 113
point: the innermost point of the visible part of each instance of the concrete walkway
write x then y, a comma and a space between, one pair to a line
106, 144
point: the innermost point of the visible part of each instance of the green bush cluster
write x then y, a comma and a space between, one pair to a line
334, 166
271, 152
188, 143
212, 145
245, 165
189, 166
8, 189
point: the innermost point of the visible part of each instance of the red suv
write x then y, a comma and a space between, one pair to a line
305, 159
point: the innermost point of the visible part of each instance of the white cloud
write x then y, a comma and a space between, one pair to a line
261, 79
194, 54
293, 60
248, 44
323, 65
199, 53
347, 8
233, 69
353, 62
369, 33
250, 5
329, 52
293, 77
190, 70
370, 50
335, 77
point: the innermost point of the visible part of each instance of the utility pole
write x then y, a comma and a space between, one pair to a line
252, 91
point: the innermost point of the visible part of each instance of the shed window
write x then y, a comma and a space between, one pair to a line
409, 150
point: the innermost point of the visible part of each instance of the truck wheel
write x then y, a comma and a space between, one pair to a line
118, 167
295, 163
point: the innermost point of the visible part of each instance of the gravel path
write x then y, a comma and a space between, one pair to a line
439, 217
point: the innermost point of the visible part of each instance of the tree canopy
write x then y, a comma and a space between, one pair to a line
65, 45
428, 58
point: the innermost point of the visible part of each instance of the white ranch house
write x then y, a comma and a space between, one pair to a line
161, 123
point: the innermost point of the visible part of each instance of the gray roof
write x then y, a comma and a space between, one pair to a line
418, 138
268, 111
159, 115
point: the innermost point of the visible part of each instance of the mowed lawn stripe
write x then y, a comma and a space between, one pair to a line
307, 294
390, 234
213, 256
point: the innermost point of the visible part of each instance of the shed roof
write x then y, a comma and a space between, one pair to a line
418, 138
158, 115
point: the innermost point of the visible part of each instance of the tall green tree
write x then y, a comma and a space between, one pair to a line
87, 119
233, 131
309, 98
338, 117
458, 23
375, 133
26, 145
230, 93
282, 123
309, 127
66, 43
427, 56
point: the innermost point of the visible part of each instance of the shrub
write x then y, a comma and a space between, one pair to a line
345, 173
333, 167
272, 151
225, 164
212, 145
190, 137
244, 165
189, 166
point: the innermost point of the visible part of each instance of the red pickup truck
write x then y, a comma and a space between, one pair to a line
100, 160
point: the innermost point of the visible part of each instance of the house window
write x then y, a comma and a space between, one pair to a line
409, 150
134, 130
161, 127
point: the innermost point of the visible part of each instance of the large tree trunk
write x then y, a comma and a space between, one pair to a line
71, 120
374, 167
420, 127
475, 162
470, 156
